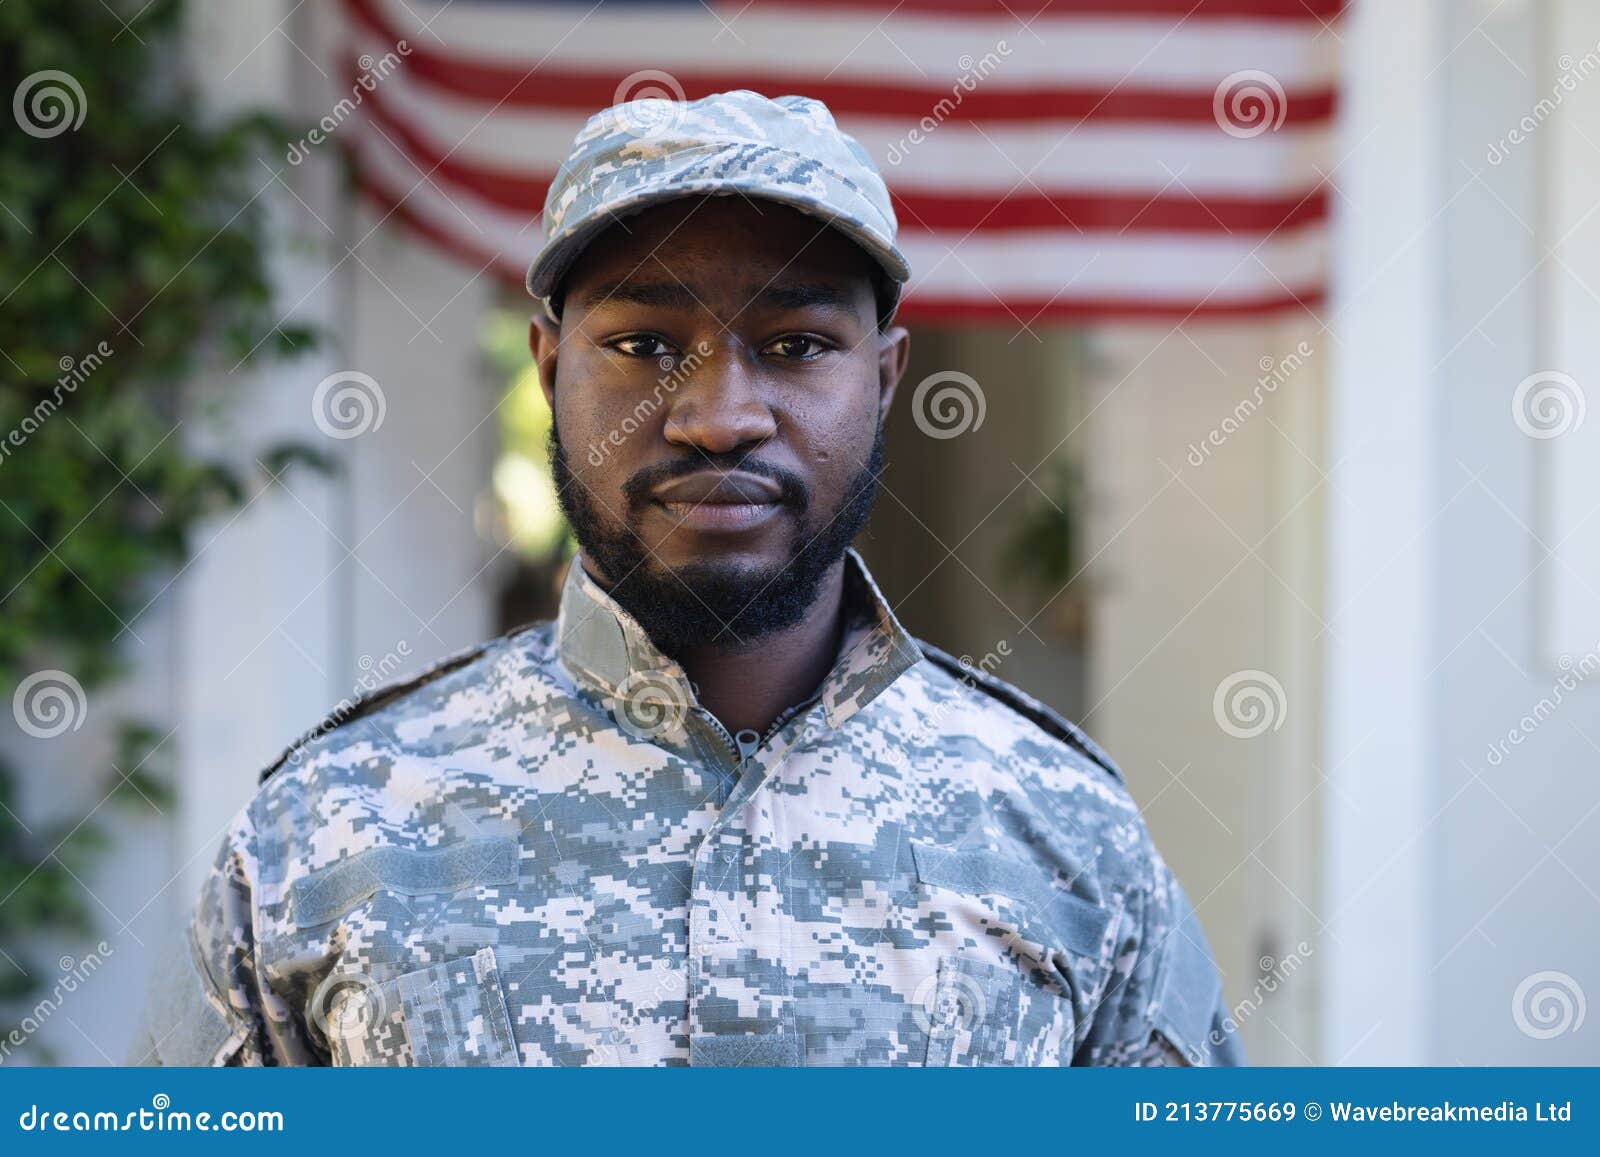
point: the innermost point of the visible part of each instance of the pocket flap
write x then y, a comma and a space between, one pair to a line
974, 1014
455, 1014
331, 891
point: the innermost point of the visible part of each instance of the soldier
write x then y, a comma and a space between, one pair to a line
724, 810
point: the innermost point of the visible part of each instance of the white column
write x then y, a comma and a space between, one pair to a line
260, 597
423, 578
1566, 384
1382, 413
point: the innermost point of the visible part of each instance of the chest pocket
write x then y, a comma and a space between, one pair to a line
455, 1014
451, 1014
376, 1007
1026, 993
974, 1016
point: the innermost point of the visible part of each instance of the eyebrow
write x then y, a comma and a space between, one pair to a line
801, 296
673, 295
664, 294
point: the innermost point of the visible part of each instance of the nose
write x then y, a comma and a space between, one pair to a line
719, 407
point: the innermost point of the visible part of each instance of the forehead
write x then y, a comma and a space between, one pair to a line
721, 242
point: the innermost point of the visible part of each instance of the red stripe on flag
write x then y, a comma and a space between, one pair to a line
1108, 212
457, 245
1008, 309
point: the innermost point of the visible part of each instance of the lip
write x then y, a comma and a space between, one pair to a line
718, 500
719, 516
719, 487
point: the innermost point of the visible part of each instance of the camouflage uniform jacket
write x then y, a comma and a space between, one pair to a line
544, 852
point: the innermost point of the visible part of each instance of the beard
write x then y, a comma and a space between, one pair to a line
716, 602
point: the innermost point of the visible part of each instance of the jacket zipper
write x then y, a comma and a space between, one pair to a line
747, 740
740, 746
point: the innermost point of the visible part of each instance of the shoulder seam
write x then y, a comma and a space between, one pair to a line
1023, 704
347, 711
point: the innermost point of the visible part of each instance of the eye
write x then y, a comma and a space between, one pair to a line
797, 347
642, 345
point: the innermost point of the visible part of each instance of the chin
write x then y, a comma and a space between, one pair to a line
722, 566
720, 555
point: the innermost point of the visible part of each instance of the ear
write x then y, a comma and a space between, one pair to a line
894, 350
544, 341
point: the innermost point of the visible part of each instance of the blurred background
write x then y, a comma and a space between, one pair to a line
1245, 424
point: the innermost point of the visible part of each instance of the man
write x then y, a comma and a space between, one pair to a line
724, 810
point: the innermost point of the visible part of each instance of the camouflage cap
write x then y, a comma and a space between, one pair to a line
643, 152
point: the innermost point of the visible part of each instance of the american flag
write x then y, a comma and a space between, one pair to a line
1048, 159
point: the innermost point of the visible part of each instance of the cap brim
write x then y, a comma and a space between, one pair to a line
560, 252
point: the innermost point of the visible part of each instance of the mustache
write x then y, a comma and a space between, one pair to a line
637, 490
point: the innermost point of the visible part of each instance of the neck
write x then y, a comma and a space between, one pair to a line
753, 684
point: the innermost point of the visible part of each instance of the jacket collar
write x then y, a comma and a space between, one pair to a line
605, 647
